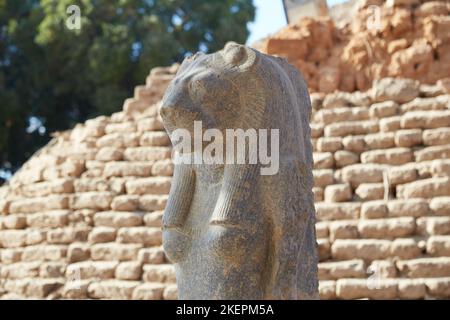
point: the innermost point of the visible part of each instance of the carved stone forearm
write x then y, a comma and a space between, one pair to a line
238, 184
181, 191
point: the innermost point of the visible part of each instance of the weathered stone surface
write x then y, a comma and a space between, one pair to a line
112, 289
234, 206
425, 267
399, 90
115, 251
360, 288
342, 269
148, 291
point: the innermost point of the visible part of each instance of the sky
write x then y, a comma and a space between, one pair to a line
270, 18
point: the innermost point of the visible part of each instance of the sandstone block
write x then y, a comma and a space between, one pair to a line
338, 193
112, 289
395, 156
411, 289
20, 270
145, 235
91, 270
115, 251
323, 160
323, 248
154, 255
425, 119
438, 246
125, 203
118, 140
151, 185
334, 211
408, 138
438, 287
383, 109
153, 219
390, 124
8, 256
435, 137
329, 144
92, 200
67, 235
370, 191
399, 90
42, 189
109, 154
149, 124
163, 273
102, 234
322, 230
76, 289
129, 270
118, 219
50, 219
147, 153
152, 202
355, 144
125, 168
364, 288
431, 153
318, 194
162, 168
367, 249
39, 204
347, 128
16, 221
148, 291
122, 127
387, 228
77, 252
342, 269
316, 130
13, 238
425, 267
374, 209
41, 288
327, 290
362, 173
52, 270
170, 292
343, 158
410, 207
426, 188
381, 140
440, 206
323, 177
434, 225
156, 139
346, 229
402, 174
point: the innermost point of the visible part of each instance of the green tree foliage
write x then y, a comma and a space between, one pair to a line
52, 77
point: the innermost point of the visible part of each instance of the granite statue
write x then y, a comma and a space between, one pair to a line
232, 232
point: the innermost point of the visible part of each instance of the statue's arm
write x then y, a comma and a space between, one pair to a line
238, 185
180, 196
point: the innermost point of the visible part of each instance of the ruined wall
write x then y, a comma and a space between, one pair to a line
411, 40
82, 218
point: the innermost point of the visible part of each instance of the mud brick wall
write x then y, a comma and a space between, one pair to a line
410, 40
82, 218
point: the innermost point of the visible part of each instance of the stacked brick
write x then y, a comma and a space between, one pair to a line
394, 38
382, 191
82, 218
